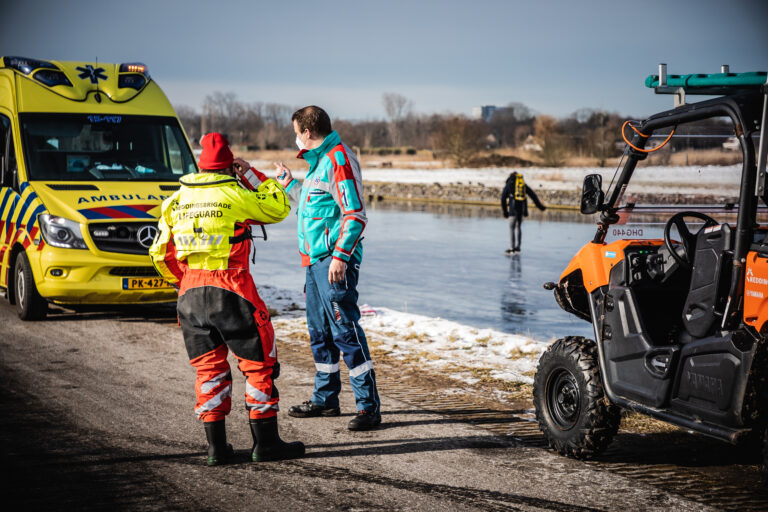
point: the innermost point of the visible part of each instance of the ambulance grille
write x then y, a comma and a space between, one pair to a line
123, 237
71, 186
133, 271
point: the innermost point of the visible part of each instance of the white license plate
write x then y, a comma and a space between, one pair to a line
144, 283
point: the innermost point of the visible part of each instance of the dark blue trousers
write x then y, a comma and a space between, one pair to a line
332, 317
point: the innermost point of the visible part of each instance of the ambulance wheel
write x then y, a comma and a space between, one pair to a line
573, 413
29, 304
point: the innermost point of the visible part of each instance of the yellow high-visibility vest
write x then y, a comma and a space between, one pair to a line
201, 218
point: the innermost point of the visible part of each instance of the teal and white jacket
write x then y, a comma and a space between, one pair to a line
330, 203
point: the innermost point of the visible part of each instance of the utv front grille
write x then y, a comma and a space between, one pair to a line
123, 237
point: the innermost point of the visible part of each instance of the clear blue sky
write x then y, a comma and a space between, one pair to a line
554, 56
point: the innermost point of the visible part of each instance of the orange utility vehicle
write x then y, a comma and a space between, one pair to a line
680, 326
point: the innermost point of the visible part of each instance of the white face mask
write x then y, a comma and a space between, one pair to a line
300, 144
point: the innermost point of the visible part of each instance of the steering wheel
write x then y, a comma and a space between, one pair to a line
687, 239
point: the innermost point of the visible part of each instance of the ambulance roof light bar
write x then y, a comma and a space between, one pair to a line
134, 67
44, 72
25, 65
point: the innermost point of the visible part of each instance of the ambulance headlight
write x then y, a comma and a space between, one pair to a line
61, 232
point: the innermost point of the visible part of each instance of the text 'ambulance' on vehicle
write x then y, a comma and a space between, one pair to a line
88, 152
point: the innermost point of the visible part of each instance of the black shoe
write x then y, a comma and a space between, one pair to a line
310, 409
267, 444
509, 251
365, 420
219, 451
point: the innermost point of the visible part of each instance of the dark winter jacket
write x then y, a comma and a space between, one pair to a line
512, 206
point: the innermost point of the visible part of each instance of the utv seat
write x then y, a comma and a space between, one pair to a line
709, 281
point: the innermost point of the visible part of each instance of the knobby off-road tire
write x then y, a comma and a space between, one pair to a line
765, 458
571, 408
29, 304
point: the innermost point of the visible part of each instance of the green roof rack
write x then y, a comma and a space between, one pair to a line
753, 79
723, 83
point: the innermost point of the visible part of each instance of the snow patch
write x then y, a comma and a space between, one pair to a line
434, 343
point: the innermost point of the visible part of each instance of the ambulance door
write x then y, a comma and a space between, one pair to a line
8, 181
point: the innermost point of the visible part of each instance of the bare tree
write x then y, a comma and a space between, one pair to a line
547, 130
190, 120
397, 107
506, 123
460, 139
222, 113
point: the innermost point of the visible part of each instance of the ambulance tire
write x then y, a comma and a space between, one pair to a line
29, 304
572, 411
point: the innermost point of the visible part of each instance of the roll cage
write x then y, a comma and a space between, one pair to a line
747, 108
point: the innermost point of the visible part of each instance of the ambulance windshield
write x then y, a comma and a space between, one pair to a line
98, 147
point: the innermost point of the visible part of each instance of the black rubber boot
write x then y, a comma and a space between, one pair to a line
365, 420
219, 452
310, 409
267, 444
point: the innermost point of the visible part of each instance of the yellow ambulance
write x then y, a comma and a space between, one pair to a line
88, 151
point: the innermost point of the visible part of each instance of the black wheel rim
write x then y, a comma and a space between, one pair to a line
563, 398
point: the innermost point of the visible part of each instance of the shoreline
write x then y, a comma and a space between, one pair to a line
481, 195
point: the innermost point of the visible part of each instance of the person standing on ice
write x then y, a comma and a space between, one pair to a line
514, 205
205, 246
331, 220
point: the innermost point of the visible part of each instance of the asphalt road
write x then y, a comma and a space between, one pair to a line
96, 413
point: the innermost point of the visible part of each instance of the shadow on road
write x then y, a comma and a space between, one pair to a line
159, 313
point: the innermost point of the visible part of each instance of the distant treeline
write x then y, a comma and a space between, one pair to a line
586, 132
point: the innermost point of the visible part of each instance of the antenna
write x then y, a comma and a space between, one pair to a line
98, 96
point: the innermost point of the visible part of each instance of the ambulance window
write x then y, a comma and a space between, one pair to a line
86, 147
178, 160
8, 171
173, 158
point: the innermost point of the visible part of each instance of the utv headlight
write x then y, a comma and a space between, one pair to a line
61, 232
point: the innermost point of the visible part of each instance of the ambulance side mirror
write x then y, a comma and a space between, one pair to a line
592, 194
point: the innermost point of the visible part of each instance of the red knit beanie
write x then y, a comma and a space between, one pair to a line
216, 153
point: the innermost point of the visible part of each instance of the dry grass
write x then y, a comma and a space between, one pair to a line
424, 157
516, 353
695, 157
639, 424
419, 337
518, 390
483, 342
419, 357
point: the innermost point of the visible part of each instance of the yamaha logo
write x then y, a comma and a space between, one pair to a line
146, 235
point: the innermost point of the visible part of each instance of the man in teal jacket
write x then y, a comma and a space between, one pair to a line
331, 220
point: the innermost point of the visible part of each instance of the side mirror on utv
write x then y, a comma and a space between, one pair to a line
592, 194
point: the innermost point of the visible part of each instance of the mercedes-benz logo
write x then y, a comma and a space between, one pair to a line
146, 235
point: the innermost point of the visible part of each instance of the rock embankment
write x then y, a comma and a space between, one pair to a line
477, 193
458, 193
